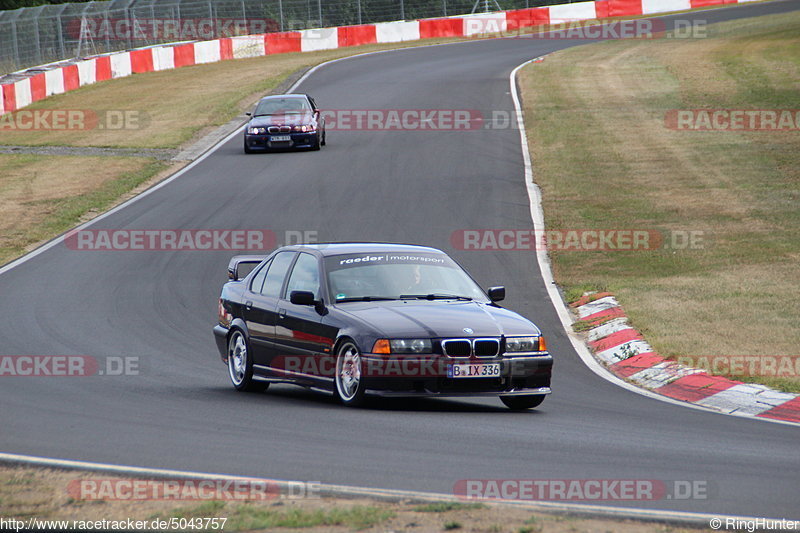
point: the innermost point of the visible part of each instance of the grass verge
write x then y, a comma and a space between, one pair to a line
39, 200
604, 158
42, 493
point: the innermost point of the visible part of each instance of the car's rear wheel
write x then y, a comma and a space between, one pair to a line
350, 385
518, 403
240, 364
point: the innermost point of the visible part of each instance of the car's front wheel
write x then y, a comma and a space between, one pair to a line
247, 149
518, 403
240, 364
350, 385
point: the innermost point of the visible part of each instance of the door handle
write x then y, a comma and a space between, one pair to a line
248, 305
282, 313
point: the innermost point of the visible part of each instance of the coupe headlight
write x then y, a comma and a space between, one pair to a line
522, 344
308, 128
256, 131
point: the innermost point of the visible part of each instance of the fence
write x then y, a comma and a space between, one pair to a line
45, 34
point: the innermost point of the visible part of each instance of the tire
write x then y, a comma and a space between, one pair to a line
247, 149
519, 403
316, 146
240, 364
350, 386
324, 140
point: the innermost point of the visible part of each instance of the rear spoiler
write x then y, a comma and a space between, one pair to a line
241, 265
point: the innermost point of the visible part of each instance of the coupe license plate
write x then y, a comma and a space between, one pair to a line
280, 138
469, 370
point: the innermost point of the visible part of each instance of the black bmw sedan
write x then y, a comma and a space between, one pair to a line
360, 319
284, 121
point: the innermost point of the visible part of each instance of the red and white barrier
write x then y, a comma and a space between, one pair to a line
24, 88
665, 6
397, 32
317, 39
571, 12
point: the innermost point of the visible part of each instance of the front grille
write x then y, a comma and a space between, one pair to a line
457, 348
470, 347
486, 347
279, 129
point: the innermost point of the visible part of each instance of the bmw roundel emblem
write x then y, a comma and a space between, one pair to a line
468, 331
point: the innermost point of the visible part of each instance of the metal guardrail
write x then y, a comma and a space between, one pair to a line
49, 33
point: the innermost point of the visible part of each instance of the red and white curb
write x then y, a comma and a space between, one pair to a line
628, 356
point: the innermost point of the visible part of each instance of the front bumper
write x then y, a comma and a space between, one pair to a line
265, 142
428, 376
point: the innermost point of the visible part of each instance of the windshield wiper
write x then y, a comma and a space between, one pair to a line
434, 297
364, 299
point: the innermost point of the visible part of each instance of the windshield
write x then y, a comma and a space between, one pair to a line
274, 106
376, 276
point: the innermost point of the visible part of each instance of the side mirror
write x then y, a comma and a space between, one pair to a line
497, 294
302, 298
249, 114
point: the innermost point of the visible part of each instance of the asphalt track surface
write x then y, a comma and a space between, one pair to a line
181, 411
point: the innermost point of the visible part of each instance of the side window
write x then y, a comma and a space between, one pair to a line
277, 273
305, 276
258, 279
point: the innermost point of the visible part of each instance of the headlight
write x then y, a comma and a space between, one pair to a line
304, 129
402, 346
411, 345
256, 131
522, 344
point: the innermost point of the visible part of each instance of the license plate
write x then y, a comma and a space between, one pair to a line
280, 138
470, 370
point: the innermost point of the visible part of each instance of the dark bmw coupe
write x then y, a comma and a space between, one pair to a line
284, 121
360, 319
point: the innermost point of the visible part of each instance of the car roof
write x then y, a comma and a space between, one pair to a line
343, 248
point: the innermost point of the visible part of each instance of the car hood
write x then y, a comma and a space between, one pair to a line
439, 319
282, 120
